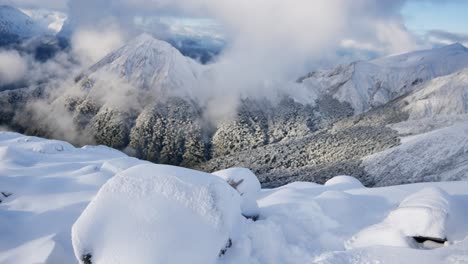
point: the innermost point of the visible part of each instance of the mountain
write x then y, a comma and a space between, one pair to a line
447, 95
367, 84
16, 26
142, 99
149, 64
417, 137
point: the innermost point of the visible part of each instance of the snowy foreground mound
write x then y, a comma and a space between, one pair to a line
157, 214
118, 209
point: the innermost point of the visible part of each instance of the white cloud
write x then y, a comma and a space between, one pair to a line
439, 37
12, 67
91, 45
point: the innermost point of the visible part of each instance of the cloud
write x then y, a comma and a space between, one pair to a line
50, 4
270, 42
92, 44
440, 37
13, 67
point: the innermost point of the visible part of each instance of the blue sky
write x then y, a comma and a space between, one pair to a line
421, 17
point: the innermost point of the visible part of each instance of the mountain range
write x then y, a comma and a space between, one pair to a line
142, 98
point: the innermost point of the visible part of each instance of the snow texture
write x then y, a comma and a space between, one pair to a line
45, 185
158, 214
248, 186
438, 155
344, 182
423, 214
147, 208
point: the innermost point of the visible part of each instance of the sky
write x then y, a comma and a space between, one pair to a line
326, 32
424, 17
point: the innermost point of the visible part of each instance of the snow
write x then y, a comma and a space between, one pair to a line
50, 19
149, 64
50, 183
245, 180
438, 155
423, 214
13, 21
162, 213
248, 186
444, 96
366, 84
344, 182
145, 212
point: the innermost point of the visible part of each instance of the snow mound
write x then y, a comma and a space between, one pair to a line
186, 216
245, 181
248, 186
344, 182
157, 214
421, 215
51, 147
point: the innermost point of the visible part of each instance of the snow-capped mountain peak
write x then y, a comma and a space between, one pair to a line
149, 64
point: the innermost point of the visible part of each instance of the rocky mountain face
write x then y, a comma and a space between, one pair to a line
141, 99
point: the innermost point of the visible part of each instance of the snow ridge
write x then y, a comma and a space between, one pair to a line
367, 84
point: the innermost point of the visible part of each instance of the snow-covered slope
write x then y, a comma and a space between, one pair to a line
439, 155
46, 185
366, 84
443, 96
149, 64
434, 141
15, 25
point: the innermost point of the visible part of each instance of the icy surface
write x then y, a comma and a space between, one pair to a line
158, 214
47, 187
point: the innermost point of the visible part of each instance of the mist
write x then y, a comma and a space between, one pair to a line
270, 43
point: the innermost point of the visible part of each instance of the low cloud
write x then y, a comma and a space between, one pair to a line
440, 37
13, 67
91, 45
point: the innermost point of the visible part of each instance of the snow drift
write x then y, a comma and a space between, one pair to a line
422, 215
157, 214
149, 212
248, 186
